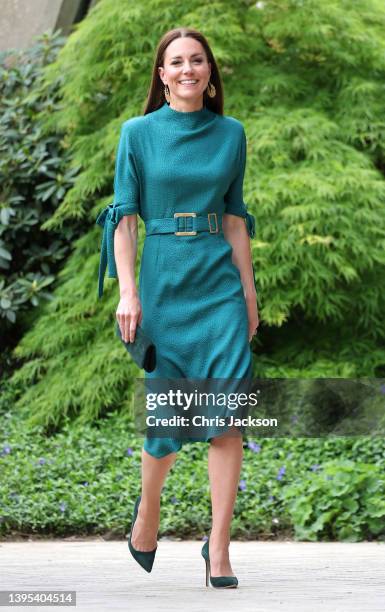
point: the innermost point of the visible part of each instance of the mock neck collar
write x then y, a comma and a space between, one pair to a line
189, 119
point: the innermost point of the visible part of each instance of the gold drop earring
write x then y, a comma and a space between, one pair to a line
211, 91
167, 93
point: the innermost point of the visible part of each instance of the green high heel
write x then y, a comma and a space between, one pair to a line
144, 558
219, 582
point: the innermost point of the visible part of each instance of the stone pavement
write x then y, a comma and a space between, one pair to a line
273, 576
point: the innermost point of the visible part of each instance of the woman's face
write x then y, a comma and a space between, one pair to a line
185, 59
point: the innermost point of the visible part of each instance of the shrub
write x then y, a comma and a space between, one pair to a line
84, 480
344, 500
35, 174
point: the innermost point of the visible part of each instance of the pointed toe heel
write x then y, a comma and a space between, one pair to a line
144, 558
218, 582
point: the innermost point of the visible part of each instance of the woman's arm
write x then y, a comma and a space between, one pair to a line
235, 232
129, 311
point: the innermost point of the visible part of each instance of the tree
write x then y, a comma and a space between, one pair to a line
307, 80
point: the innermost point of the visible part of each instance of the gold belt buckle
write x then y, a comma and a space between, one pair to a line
191, 214
216, 223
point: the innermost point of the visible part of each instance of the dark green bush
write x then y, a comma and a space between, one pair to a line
35, 174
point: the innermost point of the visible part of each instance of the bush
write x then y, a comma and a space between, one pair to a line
35, 174
84, 480
344, 501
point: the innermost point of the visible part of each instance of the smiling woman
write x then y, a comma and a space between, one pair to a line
186, 75
181, 166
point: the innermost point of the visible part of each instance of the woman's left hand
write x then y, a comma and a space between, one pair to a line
252, 312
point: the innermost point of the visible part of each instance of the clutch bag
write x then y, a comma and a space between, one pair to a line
142, 350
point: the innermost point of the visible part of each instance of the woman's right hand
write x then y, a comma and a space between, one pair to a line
129, 315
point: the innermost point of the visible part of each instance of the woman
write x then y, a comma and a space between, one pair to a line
197, 299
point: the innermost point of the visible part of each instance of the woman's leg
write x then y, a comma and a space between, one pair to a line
225, 457
154, 472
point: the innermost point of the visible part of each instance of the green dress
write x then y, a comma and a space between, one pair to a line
191, 293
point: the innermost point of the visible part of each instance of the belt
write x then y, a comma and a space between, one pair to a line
185, 224
181, 224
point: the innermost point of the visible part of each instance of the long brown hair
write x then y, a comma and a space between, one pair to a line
156, 98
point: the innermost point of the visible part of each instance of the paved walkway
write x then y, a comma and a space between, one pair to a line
273, 576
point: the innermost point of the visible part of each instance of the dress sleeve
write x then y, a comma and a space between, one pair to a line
126, 202
234, 204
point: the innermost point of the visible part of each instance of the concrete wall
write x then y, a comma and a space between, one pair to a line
22, 20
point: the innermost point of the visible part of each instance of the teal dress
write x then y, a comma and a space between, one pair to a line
191, 293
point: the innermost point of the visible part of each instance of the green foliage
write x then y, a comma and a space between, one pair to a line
345, 501
84, 480
307, 80
35, 175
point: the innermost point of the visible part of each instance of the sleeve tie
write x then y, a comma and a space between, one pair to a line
109, 219
250, 224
